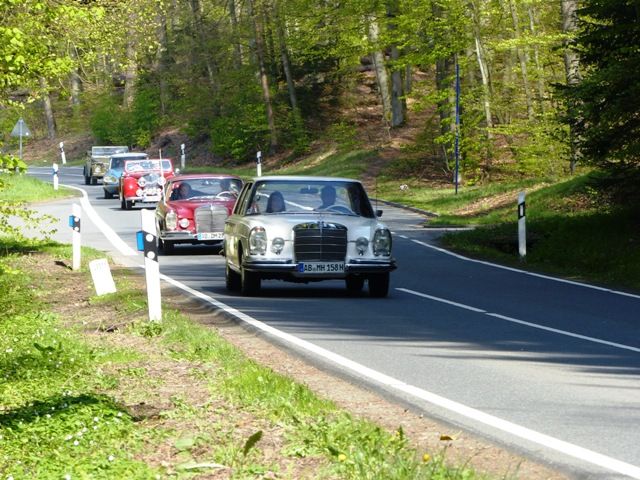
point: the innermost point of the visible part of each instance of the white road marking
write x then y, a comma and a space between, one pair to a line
521, 322
112, 236
533, 274
561, 446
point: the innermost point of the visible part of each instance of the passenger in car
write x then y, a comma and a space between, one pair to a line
183, 192
328, 196
275, 203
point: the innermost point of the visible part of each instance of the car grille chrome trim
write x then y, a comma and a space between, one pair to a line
320, 242
210, 218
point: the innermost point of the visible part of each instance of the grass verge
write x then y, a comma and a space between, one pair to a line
91, 389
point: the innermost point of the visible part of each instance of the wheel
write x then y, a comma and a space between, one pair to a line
354, 284
108, 195
94, 181
249, 281
232, 279
128, 204
123, 205
87, 178
379, 285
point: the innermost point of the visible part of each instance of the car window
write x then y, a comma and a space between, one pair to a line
240, 206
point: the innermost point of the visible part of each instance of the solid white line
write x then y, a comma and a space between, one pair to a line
112, 236
521, 322
533, 274
561, 446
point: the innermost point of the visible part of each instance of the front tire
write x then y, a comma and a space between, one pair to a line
249, 281
165, 247
108, 195
94, 180
232, 279
379, 285
354, 284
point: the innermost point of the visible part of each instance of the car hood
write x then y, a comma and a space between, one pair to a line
184, 206
281, 225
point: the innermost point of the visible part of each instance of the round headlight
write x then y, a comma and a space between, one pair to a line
162, 181
257, 241
171, 220
142, 182
183, 222
382, 242
109, 179
277, 245
139, 192
362, 244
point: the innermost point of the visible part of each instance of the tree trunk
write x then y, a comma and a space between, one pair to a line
74, 80
237, 47
196, 11
131, 72
381, 71
264, 79
523, 57
398, 102
48, 110
484, 70
572, 69
286, 65
160, 64
536, 57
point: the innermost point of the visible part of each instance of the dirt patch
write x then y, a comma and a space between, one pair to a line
171, 383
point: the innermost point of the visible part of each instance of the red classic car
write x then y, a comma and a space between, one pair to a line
141, 181
194, 208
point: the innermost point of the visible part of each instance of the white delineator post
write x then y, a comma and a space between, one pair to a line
74, 222
62, 155
55, 176
151, 266
259, 163
183, 157
522, 230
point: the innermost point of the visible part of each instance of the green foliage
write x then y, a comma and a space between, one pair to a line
604, 105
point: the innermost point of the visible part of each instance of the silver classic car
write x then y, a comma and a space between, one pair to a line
306, 229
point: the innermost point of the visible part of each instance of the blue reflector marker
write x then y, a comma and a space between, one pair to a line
140, 240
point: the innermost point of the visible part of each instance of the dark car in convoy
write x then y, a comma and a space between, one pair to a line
306, 229
194, 208
142, 181
111, 179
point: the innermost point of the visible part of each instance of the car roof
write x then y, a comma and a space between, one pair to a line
196, 176
304, 178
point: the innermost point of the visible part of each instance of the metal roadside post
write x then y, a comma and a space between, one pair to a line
62, 155
147, 243
522, 232
259, 163
55, 176
183, 157
74, 223
20, 130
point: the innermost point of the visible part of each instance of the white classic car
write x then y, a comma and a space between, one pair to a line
305, 229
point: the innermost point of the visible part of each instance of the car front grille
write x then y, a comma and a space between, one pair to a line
320, 242
210, 218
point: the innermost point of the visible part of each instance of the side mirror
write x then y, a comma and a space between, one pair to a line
378, 213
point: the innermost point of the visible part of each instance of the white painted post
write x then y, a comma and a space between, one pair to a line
259, 162
151, 266
64, 158
55, 176
76, 239
183, 157
522, 231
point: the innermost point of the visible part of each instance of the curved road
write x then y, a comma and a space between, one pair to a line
548, 367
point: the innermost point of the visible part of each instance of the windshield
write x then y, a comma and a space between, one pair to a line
221, 188
144, 165
106, 151
299, 196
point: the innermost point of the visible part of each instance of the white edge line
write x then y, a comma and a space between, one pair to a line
520, 322
495, 422
533, 274
561, 446
112, 236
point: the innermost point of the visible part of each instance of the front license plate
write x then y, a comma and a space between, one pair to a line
321, 267
211, 236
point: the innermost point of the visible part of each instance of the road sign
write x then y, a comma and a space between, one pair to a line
20, 129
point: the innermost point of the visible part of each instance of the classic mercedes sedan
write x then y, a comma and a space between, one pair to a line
306, 229
194, 208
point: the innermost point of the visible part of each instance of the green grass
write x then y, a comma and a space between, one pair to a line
25, 189
58, 417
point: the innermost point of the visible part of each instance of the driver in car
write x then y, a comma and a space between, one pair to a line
328, 196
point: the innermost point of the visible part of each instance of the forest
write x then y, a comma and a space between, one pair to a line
508, 87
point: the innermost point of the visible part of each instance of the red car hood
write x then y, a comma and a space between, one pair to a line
192, 204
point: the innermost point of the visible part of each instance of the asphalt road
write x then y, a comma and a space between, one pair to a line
547, 367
